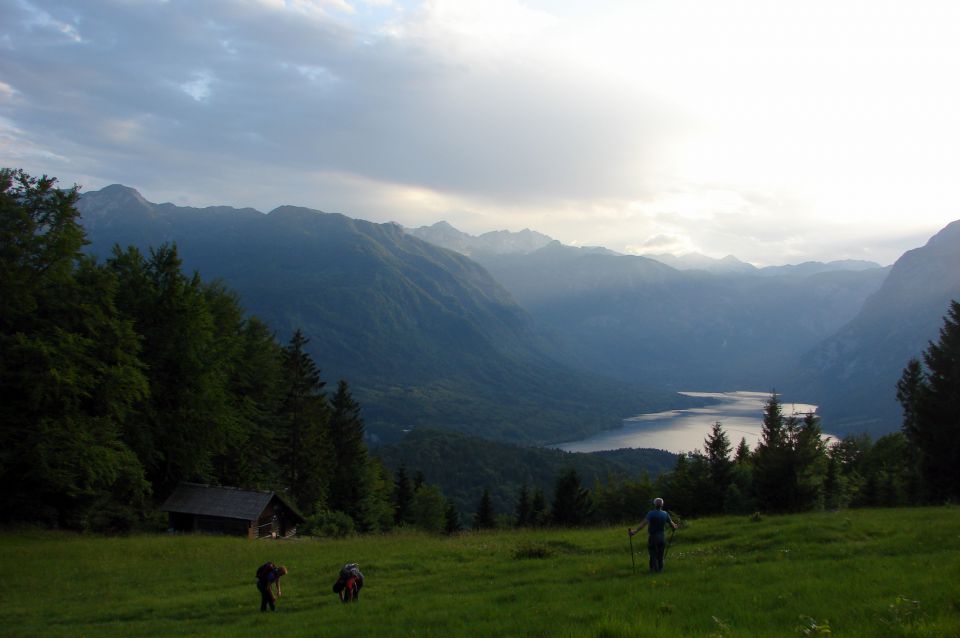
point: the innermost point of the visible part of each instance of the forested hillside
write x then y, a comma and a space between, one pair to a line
464, 466
425, 335
122, 378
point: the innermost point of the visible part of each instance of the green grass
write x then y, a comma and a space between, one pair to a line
856, 573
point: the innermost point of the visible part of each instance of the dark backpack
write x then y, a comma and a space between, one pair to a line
263, 572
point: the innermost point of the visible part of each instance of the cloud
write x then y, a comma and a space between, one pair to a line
767, 132
198, 87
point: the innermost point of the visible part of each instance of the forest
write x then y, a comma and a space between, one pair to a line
119, 379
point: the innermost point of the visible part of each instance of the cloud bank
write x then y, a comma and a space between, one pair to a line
778, 132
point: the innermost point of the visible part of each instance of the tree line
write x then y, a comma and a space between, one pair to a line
120, 379
793, 468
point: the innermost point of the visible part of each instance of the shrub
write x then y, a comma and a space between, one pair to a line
329, 525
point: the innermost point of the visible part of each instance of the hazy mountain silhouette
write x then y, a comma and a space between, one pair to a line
696, 261
855, 371
498, 242
424, 335
734, 327
430, 337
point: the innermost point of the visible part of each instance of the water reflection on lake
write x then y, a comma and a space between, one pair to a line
741, 414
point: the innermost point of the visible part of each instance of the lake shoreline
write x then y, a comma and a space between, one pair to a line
684, 429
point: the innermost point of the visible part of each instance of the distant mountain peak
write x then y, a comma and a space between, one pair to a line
699, 261
113, 198
496, 242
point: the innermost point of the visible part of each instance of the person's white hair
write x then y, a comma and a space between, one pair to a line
658, 502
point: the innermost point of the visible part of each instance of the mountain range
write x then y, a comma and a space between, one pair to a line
837, 334
424, 335
854, 373
713, 326
517, 337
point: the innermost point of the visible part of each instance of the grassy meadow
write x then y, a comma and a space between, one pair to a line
850, 573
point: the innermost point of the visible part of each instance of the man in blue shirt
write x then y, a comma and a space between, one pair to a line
657, 519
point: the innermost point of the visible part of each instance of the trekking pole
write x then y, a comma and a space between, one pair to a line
633, 561
669, 543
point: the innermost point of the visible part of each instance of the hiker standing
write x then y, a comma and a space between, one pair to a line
268, 576
657, 520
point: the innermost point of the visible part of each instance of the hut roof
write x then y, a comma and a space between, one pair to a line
226, 502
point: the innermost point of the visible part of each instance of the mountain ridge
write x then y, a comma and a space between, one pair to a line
423, 334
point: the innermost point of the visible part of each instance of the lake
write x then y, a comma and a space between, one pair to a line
740, 413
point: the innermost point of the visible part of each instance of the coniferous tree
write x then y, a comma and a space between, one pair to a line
772, 471
380, 507
538, 508
850, 455
250, 459
306, 454
523, 511
717, 450
910, 389
402, 497
743, 456
931, 405
834, 494
572, 503
429, 508
69, 371
739, 497
809, 464
187, 330
484, 517
349, 485
688, 488
452, 523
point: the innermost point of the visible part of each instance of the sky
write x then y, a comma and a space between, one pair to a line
775, 131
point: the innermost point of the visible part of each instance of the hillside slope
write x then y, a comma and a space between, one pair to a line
424, 335
855, 371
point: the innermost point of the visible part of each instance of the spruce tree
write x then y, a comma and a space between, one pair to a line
306, 453
743, 455
572, 503
772, 472
249, 460
349, 485
931, 404
402, 497
187, 331
809, 464
910, 389
717, 449
452, 523
538, 508
484, 517
523, 511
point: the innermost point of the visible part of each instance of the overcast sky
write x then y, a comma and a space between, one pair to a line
775, 131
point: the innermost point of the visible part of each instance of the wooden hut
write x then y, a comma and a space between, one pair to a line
229, 510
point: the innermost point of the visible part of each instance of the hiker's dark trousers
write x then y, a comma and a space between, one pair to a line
266, 596
656, 546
